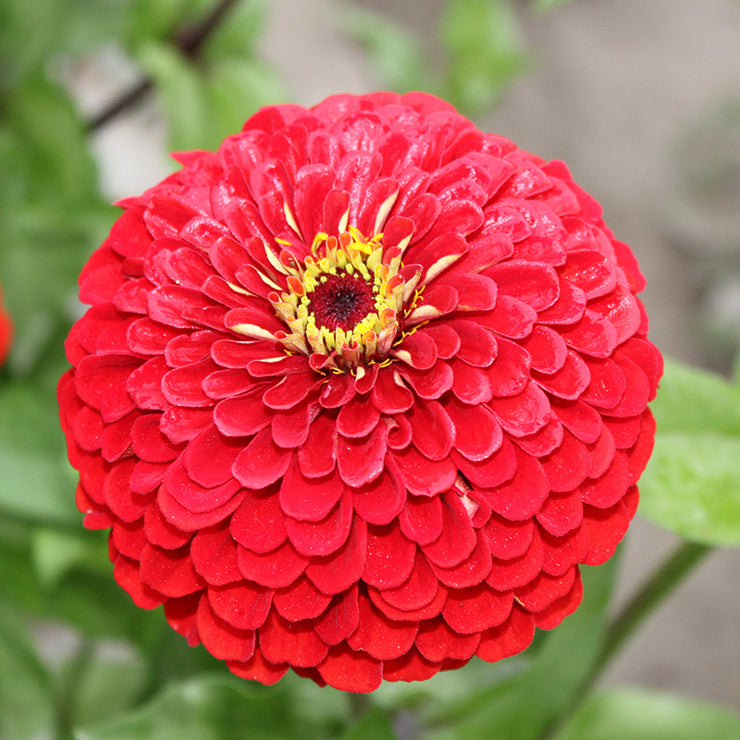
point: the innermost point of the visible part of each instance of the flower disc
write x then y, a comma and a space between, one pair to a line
358, 392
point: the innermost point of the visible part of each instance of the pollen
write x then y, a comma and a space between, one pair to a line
344, 302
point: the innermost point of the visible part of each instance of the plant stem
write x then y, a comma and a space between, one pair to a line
70, 680
358, 705
660, 584
189, 41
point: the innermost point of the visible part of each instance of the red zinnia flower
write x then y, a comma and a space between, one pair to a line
6, 333
358, 392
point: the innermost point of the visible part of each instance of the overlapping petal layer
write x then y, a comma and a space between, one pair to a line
371, 503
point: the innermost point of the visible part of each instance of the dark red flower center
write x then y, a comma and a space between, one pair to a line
341, 301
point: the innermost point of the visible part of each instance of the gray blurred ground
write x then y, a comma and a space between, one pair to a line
632, 95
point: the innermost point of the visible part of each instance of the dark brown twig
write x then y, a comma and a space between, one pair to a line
188, 40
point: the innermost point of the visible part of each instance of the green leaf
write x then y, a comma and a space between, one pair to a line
693, 400
649, 715
208, 707
524, 706
157, 20
203, 106
373, 725
692, 487
484, 49
692, 483
26, 689
393, 50
237, 35
34, 485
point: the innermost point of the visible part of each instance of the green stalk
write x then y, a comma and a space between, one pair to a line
660, 584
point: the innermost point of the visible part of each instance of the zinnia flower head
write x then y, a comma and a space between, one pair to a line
358, 392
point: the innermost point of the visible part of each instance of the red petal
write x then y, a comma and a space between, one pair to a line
300, 601
421, 519
213, 552
546, 589
457, 540
390, 394
309, 499
358, 417
476, 609
430, 383
591, 271
191, 495
477, 433
532, 283
258, 669
508, 574
522, 497
551, 616
432, 431
295, 643
209, 457
261, 462
348, 670
592, 335
422, 476
221, 639
145, 384
323, 537
471, 571
338, 571
243, 605
579, 418
275, 569
607, 490
292, 389
147, 441
170, 572
524, 413
390, 557
360, 461
569, 382
509, 373
506, 539
258, 523
493, 471
183, 386
419, 589
160, 532
380, 637
381, 501
561, 513
470, 384
410, 667
128, 577
436, 641
507, 639
100, 382
340, 620
569, 465
317, 455
546, 348
417, 350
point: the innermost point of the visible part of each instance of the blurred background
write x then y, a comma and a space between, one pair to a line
641, 99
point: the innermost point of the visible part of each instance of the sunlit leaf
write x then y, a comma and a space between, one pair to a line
692, 483
649, 715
